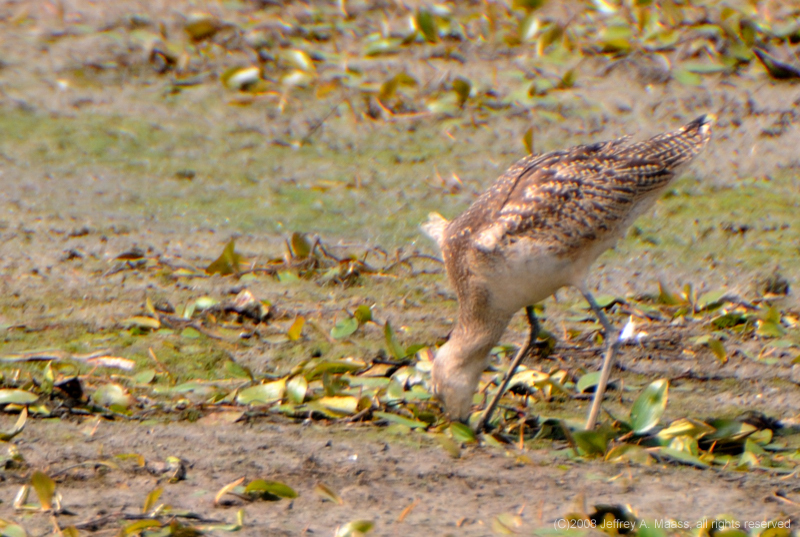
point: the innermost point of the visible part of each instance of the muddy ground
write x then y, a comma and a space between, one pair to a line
378, 477
103, 149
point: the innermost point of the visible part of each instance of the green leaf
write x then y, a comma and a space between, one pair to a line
276, 488
139, 526
112, 395
649, 407
774, 531
449, 445
762, 437
382, 46
296, 389
389, 88
262, 393
462, 87
591, 443
191, 333
686, 427
748, 460
299, 59
394, 418
395, 393
426, 24
462, 433
771, 315
240, 78
287, 276
297, 78
344, 328
679, 456
204, 303
628, 453
201, 26
704, 68
730, 430
356, 528
616, 38
667, 297
333, 368
687, 78
144, 377
718, 349
528, 27
711, 299
540, 86
45, 487
391, 342
12, 530
238, 370
227, 263
363, 314
770, 329
568, 80
17, 397
728, 320
528, 5
589, 380
300, 245
650, 528
506, 524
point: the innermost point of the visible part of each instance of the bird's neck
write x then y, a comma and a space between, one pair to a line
476, 335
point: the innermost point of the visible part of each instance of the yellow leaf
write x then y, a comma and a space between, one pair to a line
226, 489
45, 487
227, 263
151, 500
328, 493
142, 322
527, 139
296, 330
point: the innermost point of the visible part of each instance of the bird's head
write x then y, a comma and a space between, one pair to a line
457, 368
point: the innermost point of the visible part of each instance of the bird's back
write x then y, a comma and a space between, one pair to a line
565, 199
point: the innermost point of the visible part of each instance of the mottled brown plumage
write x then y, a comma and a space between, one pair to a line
565, 199
538, 228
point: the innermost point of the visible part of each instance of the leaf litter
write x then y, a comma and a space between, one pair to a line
395, 392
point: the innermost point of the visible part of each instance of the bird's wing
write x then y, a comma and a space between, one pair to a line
565, 199
569, 198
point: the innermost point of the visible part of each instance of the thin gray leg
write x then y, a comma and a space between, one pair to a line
612, 344
521, 353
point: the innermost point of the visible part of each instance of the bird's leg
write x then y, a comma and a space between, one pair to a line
521, 353
612, 344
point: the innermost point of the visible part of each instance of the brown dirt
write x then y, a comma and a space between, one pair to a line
377, 479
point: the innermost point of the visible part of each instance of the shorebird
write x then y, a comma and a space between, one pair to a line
537, 229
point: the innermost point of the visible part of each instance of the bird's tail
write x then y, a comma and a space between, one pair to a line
674, 148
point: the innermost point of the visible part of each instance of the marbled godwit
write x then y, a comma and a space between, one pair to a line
538, 228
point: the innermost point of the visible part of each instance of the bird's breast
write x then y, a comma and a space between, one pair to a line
522, 273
